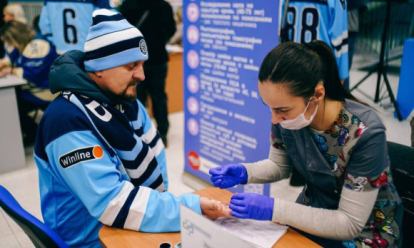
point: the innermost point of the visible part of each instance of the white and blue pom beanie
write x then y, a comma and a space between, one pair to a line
112, 42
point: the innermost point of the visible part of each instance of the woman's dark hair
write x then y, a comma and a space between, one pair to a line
301, 67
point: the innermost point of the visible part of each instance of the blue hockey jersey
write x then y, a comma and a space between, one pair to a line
66, 22
324, 20
83, 180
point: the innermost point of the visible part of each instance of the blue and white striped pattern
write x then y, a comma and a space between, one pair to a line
140, 161
112, 41
128, 208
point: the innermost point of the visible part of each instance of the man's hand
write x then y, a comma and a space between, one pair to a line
214, 209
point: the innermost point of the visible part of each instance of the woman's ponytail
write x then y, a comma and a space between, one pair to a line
333, 87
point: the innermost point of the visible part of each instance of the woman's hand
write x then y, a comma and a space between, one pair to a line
2, 64
252, 206
228, 175
5, 71
213, 209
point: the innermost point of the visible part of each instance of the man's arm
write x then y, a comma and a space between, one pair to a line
105, 191
44, 22
338, 35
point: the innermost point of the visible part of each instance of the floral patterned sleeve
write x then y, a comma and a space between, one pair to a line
366, 183
369, 165
369, 171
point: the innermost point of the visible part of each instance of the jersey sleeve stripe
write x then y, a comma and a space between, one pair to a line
137, 209
157, 184
344, 49
113, 208
340, 40
123, 212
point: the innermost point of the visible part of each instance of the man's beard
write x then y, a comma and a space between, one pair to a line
131, 97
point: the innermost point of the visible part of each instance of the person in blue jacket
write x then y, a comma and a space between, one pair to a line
100, 159
29, 56
66, 22
337, 143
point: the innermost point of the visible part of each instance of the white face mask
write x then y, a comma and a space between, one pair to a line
300, 121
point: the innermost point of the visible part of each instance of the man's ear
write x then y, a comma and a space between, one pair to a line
98, 73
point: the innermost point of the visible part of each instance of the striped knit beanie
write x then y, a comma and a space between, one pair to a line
112, 42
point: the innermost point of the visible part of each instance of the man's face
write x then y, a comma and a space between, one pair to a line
122, 81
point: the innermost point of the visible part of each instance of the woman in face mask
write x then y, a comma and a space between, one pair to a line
337, 143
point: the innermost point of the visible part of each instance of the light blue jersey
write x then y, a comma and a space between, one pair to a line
66, 23
324, 20
83, 183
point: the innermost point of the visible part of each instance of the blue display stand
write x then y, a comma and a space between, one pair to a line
405, 94
225, 43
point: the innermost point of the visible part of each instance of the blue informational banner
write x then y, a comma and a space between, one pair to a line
226, 122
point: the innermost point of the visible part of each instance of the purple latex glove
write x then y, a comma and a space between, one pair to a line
251, 206
228, 175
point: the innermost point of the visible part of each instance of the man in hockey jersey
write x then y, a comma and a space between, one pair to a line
324, 20
100, 159
65, 23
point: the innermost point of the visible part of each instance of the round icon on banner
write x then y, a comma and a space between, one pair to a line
194, 160
192, 84
192, 12
192, 34
192, 126
192, 59
192, 105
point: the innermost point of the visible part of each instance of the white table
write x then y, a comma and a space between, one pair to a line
11, 143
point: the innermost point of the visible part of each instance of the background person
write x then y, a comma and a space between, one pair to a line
65, 23
319, 20
334, 141
30, 59
156, 21
100, 158
14, 12
177, 38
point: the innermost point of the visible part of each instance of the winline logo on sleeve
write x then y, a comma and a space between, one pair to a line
80, 155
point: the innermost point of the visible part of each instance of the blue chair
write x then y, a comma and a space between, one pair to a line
40, 234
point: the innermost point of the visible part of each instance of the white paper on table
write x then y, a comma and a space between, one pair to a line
260, 233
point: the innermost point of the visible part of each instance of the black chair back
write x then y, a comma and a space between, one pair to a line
402, 167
